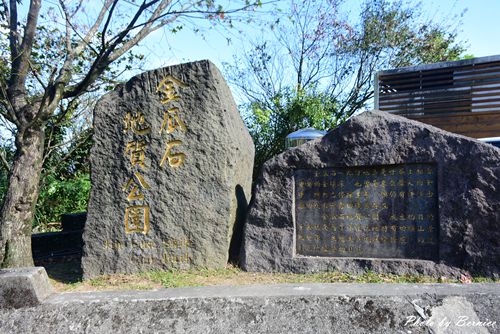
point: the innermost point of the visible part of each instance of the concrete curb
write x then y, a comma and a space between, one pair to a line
280, 308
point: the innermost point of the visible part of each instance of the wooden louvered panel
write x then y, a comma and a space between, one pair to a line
442, 107
407, 72
463, 96
451, 77
475, 125
450, 95
477, 85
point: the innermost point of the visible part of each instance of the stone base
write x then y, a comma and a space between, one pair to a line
287, 308
358, 266
22, 287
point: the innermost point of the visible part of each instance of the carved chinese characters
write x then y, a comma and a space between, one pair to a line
170, 87
376, 211
159, 199
382, 193
137, 213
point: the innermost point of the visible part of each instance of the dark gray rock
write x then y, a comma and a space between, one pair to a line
155, 208
23, 287
73, 221
288, 308
56, 246
468, 186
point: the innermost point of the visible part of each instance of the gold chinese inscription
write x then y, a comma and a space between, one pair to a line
171, 121
137, 213
170, 88
136, 123
173, 252
135, 150
374, 211
134, 186
174, 159
137, 219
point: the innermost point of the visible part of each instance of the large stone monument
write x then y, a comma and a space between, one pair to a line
171, 173
383, 193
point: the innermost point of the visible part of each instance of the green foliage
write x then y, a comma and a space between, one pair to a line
59, 196
400, 33
65, 183
318, 68
269, 124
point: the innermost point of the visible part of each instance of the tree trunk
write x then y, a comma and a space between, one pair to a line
18, 208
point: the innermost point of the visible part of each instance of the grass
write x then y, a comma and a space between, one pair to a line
234, 276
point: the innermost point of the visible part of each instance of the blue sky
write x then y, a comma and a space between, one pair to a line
481, 22
480, 27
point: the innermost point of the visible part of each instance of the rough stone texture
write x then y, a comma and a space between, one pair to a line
308, 308
468, 174
193, 207
23, 287
458, 311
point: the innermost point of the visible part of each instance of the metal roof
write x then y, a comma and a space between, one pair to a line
307, 133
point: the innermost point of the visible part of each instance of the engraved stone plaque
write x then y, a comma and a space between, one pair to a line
386, 211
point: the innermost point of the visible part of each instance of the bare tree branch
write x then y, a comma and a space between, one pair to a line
56, 88
80, 141
91, 33
5, 114
77, 8
103, 59
13, 35
37, 76
8, 113
85, 40
111, 51
146, 29
68, 26
106, 24
20, 57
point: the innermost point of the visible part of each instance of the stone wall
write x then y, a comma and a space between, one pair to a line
280, 308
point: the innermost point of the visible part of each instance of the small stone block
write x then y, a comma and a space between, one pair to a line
23, 287
73, 221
